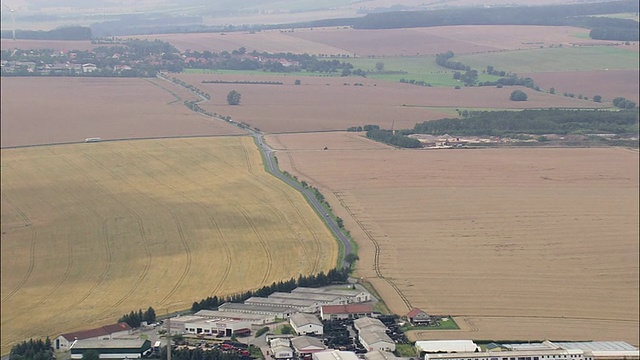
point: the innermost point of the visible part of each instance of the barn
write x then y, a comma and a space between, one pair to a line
304, 346
376, 340
108, 332
351, 311
306, 324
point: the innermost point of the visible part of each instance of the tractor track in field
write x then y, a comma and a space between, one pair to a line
316, 259
105, 231
262, 242
376, 258
141, 229
32, 247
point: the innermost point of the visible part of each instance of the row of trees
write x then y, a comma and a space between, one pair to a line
32, 350
135, 318
389, 137
365, 128
332, 277
501, 123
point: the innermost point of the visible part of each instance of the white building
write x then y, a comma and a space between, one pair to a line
509, 355
306, 324
305, 345
88, 68
215, 326
307, 306
351, 295
254, 319
280, 348
334, 355
350, 311
376, 340
177, 325
323, 299
446, 346
276, 311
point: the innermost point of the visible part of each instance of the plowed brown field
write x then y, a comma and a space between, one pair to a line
326, 103
387, 42
51, 110
608, 84
517, 243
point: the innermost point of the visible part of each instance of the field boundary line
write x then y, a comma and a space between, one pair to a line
376, 257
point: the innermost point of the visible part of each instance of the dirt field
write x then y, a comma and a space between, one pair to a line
93, 231
79, 108
325, 103
517, 243
608, 84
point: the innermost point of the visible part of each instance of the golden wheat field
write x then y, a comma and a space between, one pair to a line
92, 231
516, 243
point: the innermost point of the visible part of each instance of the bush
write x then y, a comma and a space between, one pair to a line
518, 95
262, 331
597, 98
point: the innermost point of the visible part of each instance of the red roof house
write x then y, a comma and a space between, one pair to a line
419, 317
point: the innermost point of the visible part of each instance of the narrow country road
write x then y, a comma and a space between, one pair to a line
273, 169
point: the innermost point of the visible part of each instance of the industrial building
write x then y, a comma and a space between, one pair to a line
254, 319
306, 324
276, 311
351, 311
596, 350
446, 346
350, 295
324, 299
380, 355
334, 355
177, 325
108, 332
368, 324
376, 340
112, 349
224, 327
307, 306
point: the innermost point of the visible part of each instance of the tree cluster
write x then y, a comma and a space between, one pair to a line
233, 97
505, 123
63, 33
388, 137
32, 350
444, 60
623, 103
332, 277
135, 318
518, 95
415, 82
361, 128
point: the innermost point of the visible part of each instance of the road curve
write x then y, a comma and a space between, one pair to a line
273, 170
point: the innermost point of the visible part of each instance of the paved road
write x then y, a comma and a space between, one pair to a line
272, 168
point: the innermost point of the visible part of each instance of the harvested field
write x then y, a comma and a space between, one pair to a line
326, 103
608, 84
434, 40
93, 231
522, 243
58, 45
52, 110
387, 42
269, 41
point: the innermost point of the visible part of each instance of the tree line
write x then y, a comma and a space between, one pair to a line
504, 123
549, 15
199, 354
333, 276
395, 139
63, 33
135, 318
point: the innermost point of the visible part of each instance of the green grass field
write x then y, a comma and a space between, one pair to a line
555, 59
